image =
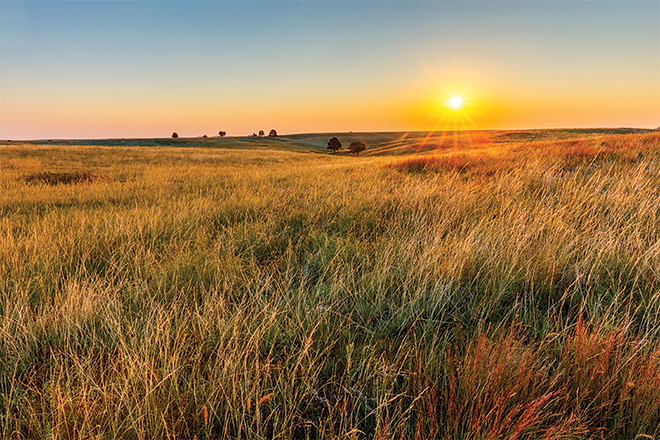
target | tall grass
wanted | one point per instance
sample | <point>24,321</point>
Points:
<point>205,293</point>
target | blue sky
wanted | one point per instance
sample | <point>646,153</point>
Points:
<point>146,68</point>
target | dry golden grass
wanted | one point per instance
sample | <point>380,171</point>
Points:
<point>508,289</point>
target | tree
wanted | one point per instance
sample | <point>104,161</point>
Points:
<point>334,144</point>
<point>222,133</point>
<point>356,147</point>
<point>175,135</point>
<point>261,133</point>
<point>272,133</point>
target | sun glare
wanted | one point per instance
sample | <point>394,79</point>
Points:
<point>457,107</point>
<point>456,102</point>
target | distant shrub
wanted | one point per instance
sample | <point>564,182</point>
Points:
<point>272,133</point>
<point>205,136</point>
<point>222,133</point>
<point>261,133</point>
<point>334,144</point>
<point>175,135</point>
<point>357,147</point>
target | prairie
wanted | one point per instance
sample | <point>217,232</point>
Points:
<point>448,285</point>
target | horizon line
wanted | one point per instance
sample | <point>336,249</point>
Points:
<point>321,133</point>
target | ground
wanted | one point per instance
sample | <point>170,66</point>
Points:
<point>447,285</point>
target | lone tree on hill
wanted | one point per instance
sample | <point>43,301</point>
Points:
<point>272,133</point>
<point>175,135</point>
<point>222,133</point>
<point>334,145</point>
<point>356,147</point>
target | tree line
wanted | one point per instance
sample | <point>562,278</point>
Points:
<point>221,133</point>
<point>334,144</point>
<point>356,147</point>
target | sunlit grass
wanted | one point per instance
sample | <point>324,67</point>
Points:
<point>505,290</point>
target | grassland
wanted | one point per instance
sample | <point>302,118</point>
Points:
<point>463,285</point>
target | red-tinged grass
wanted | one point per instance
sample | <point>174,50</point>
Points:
<point>567,154</point>
<point>499,386</point>
<point>612,378</point>
<point>608,148</point>
<point>493,387</point>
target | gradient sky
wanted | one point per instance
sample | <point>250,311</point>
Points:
<point>98,69</point>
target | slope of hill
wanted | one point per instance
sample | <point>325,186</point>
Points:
<point>379,143</point>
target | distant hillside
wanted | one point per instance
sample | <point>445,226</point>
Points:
<point>399,143</point>
<point>379,143</point>
<point>229,142</point>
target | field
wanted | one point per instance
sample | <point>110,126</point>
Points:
<point>481,285</point>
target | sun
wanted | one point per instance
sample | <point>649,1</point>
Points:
<point>456,102</point>
<point>452,107</point>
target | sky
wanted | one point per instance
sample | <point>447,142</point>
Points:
<point>142,69</point>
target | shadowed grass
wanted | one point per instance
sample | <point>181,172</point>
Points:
<point>64,178</point>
